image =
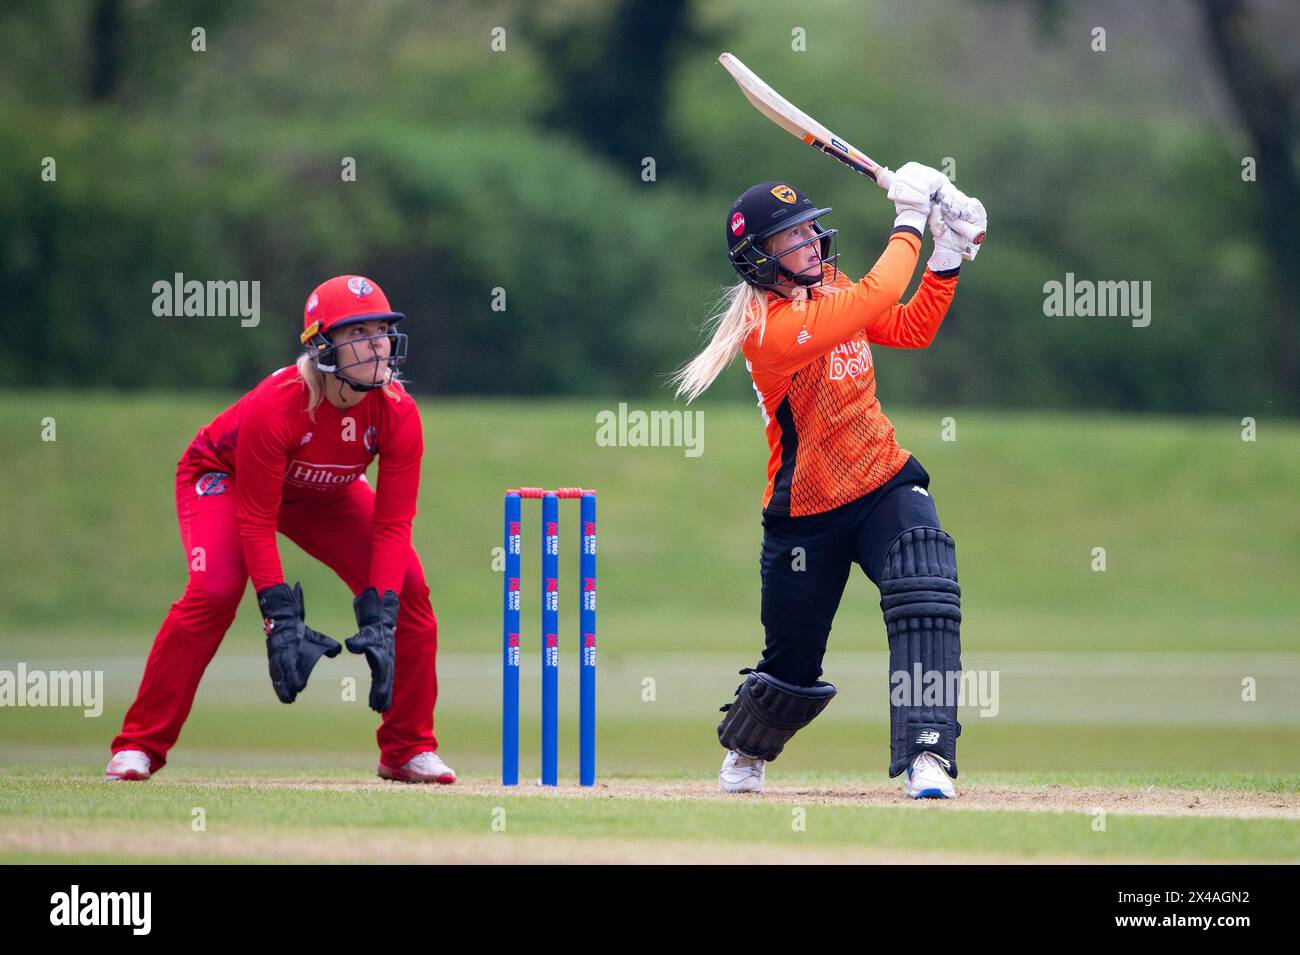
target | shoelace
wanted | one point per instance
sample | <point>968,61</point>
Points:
<point>927,755</point>
<point>746,762</point>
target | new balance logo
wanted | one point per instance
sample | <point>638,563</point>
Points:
<point>920,490</point>
<point>928,738</point>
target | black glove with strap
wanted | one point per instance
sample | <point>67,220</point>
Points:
<point>292,647</point>
<point>377,626</point>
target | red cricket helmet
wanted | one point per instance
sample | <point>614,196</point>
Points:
<point>347,300</point>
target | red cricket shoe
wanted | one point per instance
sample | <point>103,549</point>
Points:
<point>423,768</point>
<point>128,764</point>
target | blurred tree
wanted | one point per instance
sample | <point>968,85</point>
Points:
<point>1266,101</point>
<point>105,48</point>
<point>146,42</point>
<point>1265,98</point>
<point>226,164</point>
<point>612,77</point>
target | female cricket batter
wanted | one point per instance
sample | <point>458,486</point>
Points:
<point>839,488</point>
<point>291,456</point>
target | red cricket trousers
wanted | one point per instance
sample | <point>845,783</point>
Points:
<point>335,528</point>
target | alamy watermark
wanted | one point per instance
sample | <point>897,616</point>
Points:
<point>1083,298</point>
<point>918,687</point>
<point>213,299</point>
<point>651,429</point>
<point>83,689</point>
<point>128,909</point>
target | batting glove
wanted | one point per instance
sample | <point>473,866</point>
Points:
<point>913,189</point>
<point>958,237</point>
<point>961,212</point>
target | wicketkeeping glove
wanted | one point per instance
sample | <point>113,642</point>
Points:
<point>292,647</point>
<point>377,625</point>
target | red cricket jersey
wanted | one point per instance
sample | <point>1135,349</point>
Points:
<point>275,453</point>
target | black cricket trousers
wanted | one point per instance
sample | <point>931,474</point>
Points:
<point>805,564</point>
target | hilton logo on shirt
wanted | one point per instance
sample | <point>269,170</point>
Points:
<point>849,360</point>
<point>322,477</point>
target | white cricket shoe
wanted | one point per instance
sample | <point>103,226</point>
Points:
<point>128,764</point>
<point>741,774</point>
<point>423,768</point>
<point>926,779</point>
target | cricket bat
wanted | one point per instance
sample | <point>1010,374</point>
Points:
<point>798,123</point>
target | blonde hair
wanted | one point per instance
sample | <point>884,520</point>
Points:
<point>738,312</point>
<point>313,380</point>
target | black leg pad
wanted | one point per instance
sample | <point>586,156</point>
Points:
<point>767,712</point>
<point>922,605</point>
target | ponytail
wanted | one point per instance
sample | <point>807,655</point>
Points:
<point>313,381</point>
<point>739,311</point>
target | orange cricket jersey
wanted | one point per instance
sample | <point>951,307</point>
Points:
<point>816,381</point>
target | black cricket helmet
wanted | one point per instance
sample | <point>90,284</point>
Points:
<point>760,213</point>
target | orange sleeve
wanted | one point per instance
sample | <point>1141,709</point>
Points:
<point>913,325</point>
<point>798,333</point>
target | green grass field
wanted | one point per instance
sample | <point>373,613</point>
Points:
<point>1122,679</point>
<point>210,816</point>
